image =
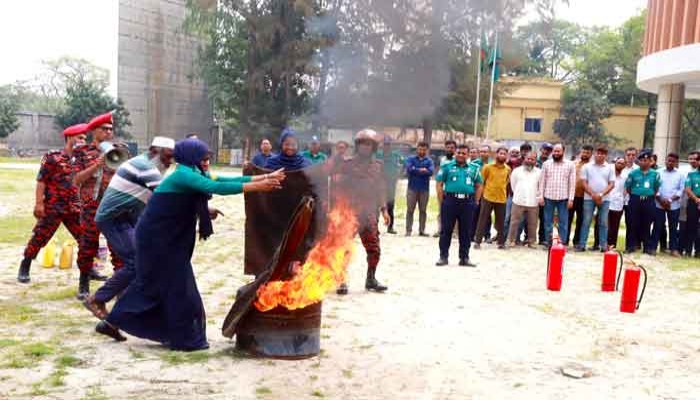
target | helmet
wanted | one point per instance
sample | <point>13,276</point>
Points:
<point>367,134</point>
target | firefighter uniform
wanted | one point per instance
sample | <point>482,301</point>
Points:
<point>61,203</point>
<point>90,195</point>
<point>458,205</point>
<point>642,187</point>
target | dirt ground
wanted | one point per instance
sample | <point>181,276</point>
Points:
<point>491,332</point>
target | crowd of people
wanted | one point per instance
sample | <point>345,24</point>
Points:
<point>150,219</point>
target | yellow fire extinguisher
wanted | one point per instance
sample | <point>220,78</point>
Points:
<point>49,256</point>
<point>66,261</point>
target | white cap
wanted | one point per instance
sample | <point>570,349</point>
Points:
<point>164,142</point>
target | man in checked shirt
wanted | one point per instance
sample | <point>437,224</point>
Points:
<point>557,185</point>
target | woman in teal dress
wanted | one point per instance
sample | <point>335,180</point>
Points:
<point>163,303</point>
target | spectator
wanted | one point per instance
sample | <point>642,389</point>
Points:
<point>341,149</point>
<point>419,169</point>
<point>393,164</point>
<point>524,181</point>
<point>473,154</point>
<point>692,189</point>
<point>668,204</point>
<point>450,147</point>
<point>525,149</point>
<point>481,162</point>
<point>314,153</point>
<point>265,152</point>
<point>545,153</point>
<point>495,178</point>
<point>598,180</point>
<point>577,210</point>
<point>557,187</point>
<point>642,185</point>
<point>617,202</point>
<point>514,161</point>
<point>630,158</point>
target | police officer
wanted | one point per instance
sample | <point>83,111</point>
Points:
<point>56,198</point>
<point>459,188</point>
<point>642,184</point>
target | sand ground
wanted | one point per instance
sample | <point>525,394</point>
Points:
<point>492,332</point>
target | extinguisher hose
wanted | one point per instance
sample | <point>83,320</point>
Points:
<point>549,254</point>
<point>619,272</point>
<point>644,286</point>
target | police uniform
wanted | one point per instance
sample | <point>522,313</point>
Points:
<point>458,204</point>
<point>61,202</point>
<point>693,213</point>
<point>642,187</point>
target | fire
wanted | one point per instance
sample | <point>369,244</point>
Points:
<point>325,267</point>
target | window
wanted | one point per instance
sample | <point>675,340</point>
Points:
<point>533,125</point>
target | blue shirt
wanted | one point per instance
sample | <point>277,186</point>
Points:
<point>260,159</point>
<point>671,185</point>
<point>419,181</point>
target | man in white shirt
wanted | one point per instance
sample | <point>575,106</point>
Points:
<point>617,199</point>
<point>668,203</point>
<point>524,181</point>
<point>598,179</point>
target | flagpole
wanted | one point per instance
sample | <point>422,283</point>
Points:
<point>478,86</point>
<point>493,79</point>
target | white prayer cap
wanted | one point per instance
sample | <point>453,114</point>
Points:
<point>162,141</point>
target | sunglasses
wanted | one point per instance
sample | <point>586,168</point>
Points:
<point>107,128</point>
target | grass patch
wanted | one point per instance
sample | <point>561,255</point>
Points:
<point>16,229</point>
<point>57,295</point>
<point>95,393</point>
<point>8,343</point>
<point>20,160</point>
<point>685,264</point>
<point>28,355</point>
<point>38,390</point>
<point>178,357</point>
<point>68,361</point>
<point>56,377</point>
<point>347,373</point>
<point>135,354</point>
<point>318,393</point>
<point>218,284</point>
<point>263,390</point>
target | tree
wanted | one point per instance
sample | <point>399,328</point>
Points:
<point>8,111</point>
<point>690,138</point>
<point>86,99</point>
<point>582,111</point>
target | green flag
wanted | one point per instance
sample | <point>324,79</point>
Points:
<point>495,62</point>
<point>483,53</point>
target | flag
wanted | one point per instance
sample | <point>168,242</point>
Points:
<point>495,61</point>
<point>483,52</point>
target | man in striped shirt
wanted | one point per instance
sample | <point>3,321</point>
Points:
<point>122,204</point>
<point>557,187</point>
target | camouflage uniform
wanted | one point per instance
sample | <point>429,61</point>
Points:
<point>362,182</point>
<point>85,156</point>
<point>61,202</point>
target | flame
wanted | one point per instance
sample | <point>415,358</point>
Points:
<point>325,267</point>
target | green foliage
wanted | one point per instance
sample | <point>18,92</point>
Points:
<point>582,111</point>
<point>9,105</point>
<point>550,46</point>
<point>86,99</point>
<point>690,139</point>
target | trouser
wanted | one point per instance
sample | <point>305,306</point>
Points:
<point>631,236</point>
<point>413,198</point>
<point>90,240</point>
<point>390,211</point>
<point>475,222</point>
<point>562,212</point>
<point>369,235</point>
<point>485,215</point>
<point>453,211</point>
<point>540,231</point>
<point>660,226</point>
<point>518,215</point>
<point>119,233</point>
<point>45,228</point>
<point>692,239</point>
<point>614,218</point>
<point>578,211</point>
<point>589,208</point>
<point>390,201</point>
<point>509,207</point>
<point>642,214</point>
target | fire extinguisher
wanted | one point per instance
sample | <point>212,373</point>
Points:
<point>630,287</point>
<point>611,276</point>
<point>555,266</point>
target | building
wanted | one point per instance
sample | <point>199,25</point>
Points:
<point>157,76</point>
<point>529,107</point>
<point>670,66</point>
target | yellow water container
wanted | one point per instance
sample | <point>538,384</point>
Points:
<point>66,261</point>
<point>49,257</point>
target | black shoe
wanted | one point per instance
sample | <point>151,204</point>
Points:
<point>391,231</point>
<point>342,289</point>
<point>408,234</point>
<point>441,262</point>
<point>106,329</point>
<point>374,285</point>
<point>423,234</point>
<point>501,246</point>
<point>650,253</point>
<point>436,234</point>
<point>477,246</point>
<point>83,286</point>
<point>630,251</point>
<point>23,274</point>
<point>579,249</point>
<point>96,276</point>
<point>466,263</point>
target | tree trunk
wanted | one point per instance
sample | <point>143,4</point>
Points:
<point>428,130</point>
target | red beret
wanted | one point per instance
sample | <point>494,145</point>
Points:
<point>73,130</point>
<point>99,121</point>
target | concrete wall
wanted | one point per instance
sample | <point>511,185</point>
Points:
<point>156,73</point>
<point>36,132</point>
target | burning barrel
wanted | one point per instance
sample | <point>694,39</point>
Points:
<point>281,333</point>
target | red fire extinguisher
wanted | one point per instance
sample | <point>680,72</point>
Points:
<point>611,276</point>
<point>630,287</point>
<point>555,266</point>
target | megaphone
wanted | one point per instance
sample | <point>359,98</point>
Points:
<point>114,155</point>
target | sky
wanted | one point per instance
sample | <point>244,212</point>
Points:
<point>36,30</point>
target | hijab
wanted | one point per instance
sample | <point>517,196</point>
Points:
<point>281,160</point>
<point>191,152</point>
